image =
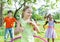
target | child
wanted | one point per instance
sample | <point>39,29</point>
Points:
<point>26,23</point>
<point>50,33</point>
<point>9,20</point>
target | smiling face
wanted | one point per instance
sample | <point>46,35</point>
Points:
<point>27,13</point>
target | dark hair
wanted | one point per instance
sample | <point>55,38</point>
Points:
<point>10,11</point>
<point>46,17</point>
<point>26,7</point>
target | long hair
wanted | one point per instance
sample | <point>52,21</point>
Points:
<point>24,9</point>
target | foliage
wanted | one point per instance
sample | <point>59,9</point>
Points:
<point>21,3</point>
<point>37,17</point>
<point>56,16</point>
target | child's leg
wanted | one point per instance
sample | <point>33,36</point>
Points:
<point>48,39</point>
<point>52,39</point>
<point>11,31</point>
<point>6,34</point>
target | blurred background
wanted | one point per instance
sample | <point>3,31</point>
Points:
<point>40,9</point>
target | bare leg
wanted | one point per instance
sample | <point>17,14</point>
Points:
<point>52,39</point>
<point>48,39</point>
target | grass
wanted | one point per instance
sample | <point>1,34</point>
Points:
<point>57,28</point>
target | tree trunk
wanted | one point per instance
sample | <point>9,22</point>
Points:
<point>1,17</point>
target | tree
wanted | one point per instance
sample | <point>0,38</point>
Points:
<point>21,3</point>
<point>1,16</point>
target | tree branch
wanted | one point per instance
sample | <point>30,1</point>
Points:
<point>18,9</point>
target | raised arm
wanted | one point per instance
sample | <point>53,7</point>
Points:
<point>33,23</point>
<point>56,21</point>
<point>35,26</point>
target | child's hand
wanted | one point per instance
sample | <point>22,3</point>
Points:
<point>21,29</point>
<point>18,30</point>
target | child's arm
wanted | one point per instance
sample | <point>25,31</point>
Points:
<point>19,28</point>
<point>35,25</point>
<point>45,24</point>
<point>4,19</point>
<point>56,21</point>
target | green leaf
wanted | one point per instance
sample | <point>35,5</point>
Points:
<point>15,0</point>
<point>57,0</point>
<point>2,1</point>
<point>47,1</point>
<point>33,1</point>
<point>9,2</point>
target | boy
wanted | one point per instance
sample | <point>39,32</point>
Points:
<point>9,20</point>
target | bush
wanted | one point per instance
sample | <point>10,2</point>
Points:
<point>56,16</point>
<point>37,17</point>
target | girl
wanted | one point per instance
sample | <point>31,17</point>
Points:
<point>27,24</point>
<point>50,33</point>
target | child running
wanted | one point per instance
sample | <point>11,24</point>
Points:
<point>9,20</point>
<point>28,25</point>
<point>50,33</point>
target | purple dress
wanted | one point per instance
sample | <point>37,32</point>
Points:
<point>50,33</point>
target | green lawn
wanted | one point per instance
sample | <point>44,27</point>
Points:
<point>57,28</point>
